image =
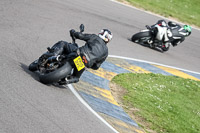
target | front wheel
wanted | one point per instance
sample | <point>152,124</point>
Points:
<point>141,37</point>
<point>57,75</point>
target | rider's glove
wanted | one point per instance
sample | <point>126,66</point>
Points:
<point>72,31</point>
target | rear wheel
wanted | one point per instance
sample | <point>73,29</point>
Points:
<point>56,75</point>
<point>141,37</point>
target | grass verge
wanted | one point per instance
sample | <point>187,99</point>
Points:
<point>164,104</point>
<point>186,11</point>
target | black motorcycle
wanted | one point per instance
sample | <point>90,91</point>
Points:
<point>55,68</point>
<point>154,36</point>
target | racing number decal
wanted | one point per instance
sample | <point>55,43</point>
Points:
<point>79,63</point>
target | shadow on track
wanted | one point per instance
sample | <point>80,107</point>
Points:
<point>35,75</point>
<point>147,45</point>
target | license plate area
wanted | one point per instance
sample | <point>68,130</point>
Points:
<point>79,63</point>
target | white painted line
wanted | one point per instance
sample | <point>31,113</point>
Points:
<point>97,115</point>
<point>151,13</point>
<point>152,63</point>
<point>84,103</point>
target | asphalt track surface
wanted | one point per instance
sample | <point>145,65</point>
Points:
<point>28,27</point>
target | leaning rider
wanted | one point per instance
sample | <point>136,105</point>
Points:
<point>174,35</point>
<point>93,53</point>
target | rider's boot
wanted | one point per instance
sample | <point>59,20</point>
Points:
<point>69,80</point>
<point>62,82</point>
<point>150,42</point>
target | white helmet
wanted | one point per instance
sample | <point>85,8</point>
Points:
<point>106,35</point>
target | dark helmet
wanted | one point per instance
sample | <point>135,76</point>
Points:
<point>106,35</point>
<point>188,29</point>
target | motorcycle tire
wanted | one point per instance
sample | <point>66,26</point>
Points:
<point>57,75</point>
<point>141,37</point>
<point>33,66</point>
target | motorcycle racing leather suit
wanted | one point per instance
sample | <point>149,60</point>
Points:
<point>93,53</point>
<point>174,33</point>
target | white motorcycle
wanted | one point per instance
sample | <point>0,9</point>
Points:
<point>155,36</point>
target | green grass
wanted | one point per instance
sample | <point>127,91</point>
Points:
<point>168,104</point>
<point>187,11</point>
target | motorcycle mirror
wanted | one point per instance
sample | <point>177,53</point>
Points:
<point>81,28</point>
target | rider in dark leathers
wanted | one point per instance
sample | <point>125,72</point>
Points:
<point>93,53</point>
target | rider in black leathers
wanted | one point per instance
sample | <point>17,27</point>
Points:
<point>93,53</point>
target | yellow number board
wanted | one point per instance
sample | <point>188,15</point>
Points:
<point>79,63</point>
